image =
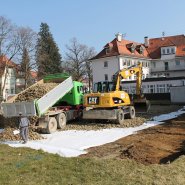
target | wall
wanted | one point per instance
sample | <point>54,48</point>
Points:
<point>115,64</point>
<point>9,83</point>
<point>153,86</point>
<point>174,69</point>
<point>177,94</point>
<point>99,70</point>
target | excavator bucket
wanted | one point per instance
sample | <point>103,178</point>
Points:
<point>141,105</point>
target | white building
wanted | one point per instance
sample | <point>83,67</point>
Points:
<point>119,54</point>
<point>168,56</point>
<point>11,81</point>
<point>161,57</point>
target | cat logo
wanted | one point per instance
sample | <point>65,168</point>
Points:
<point>93,100</point>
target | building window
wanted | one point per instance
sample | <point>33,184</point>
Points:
<point>106,77</point>
<point>151,88</point>
<point>105,64</point>
<point>12,91</point>
<point>132,49</point>
<point>107,50</point>
<point>172,50</point>
<point>168,87</point>
<point>168,50</point>
<point>163,51</point>
<point>177,62</point>
<point>154,64</point>
<point>128,62</point>
<point>161,88</point>
<point>146,64</point>
<point>166,66</point>
<point>124,63</point>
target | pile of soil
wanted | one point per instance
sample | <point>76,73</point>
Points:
<point>8,135</point>
<point>35,92</point>
<point>102,124</point>
<point>156,145</point>
<point>138,120</point>
<point>11,124</point>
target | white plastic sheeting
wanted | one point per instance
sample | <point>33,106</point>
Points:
<point>73,143</point>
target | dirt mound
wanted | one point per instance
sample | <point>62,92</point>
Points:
<point>156,145</point>
<point>8,134</point>
<point>35,92</point>
<point>101,124</point>
<point>11,124</point>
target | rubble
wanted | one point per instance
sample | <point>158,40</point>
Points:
<point>103,124</point>
<point>36,92</point>
<point>11,124</point>
<point>8,135</point>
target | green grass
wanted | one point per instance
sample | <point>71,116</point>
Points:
<point>27,166</point>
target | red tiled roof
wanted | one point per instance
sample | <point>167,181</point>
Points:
<point>153,51</point>
<point>5,61</point>
<point>155,45</point>
<point>121,48</point>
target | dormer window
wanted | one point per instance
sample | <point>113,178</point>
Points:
<point>107,50</point>
<point>133,49</point>
<point>167,50</point>
<point>141,50</point>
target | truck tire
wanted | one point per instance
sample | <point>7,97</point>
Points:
<point>61,121</point>
<point>52,125</point>
<point>120,117</point>
<point>132,112</point>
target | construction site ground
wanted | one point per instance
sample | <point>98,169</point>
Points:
<point>156,145</point>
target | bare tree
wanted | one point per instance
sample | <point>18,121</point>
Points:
<point>28,39</point>
<point>9,44</point>
<point>26,54</point>
<point>77,59</point>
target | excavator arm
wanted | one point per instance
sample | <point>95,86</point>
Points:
<point>140,101</point>
<point>125,73</point>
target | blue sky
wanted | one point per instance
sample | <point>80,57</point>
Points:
<point>95,22</point>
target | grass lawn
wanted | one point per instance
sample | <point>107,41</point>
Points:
<point>27,166</point>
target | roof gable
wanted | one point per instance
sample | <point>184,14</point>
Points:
<point>155,45</point>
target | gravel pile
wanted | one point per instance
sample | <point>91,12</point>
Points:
<point>8,135</point>
<point>10,124</point>
<point>36,92</point>
<point>102,124</point>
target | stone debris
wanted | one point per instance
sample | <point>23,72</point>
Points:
<point>11,124</point>
<point>8,135</point>
<point>36,92</point>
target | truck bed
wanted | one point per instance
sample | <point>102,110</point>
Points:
<point>40,106</point>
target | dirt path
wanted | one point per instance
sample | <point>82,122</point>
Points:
<point>156,145</point>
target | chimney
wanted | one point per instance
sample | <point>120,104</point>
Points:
<point>119,36</point>
<point>163,34</point>
<point>146,41</point>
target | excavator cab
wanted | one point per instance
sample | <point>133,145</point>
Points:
<point>102,87</point>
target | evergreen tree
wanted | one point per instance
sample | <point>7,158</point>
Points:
<point>25,67</point>
<point>48,58</point>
